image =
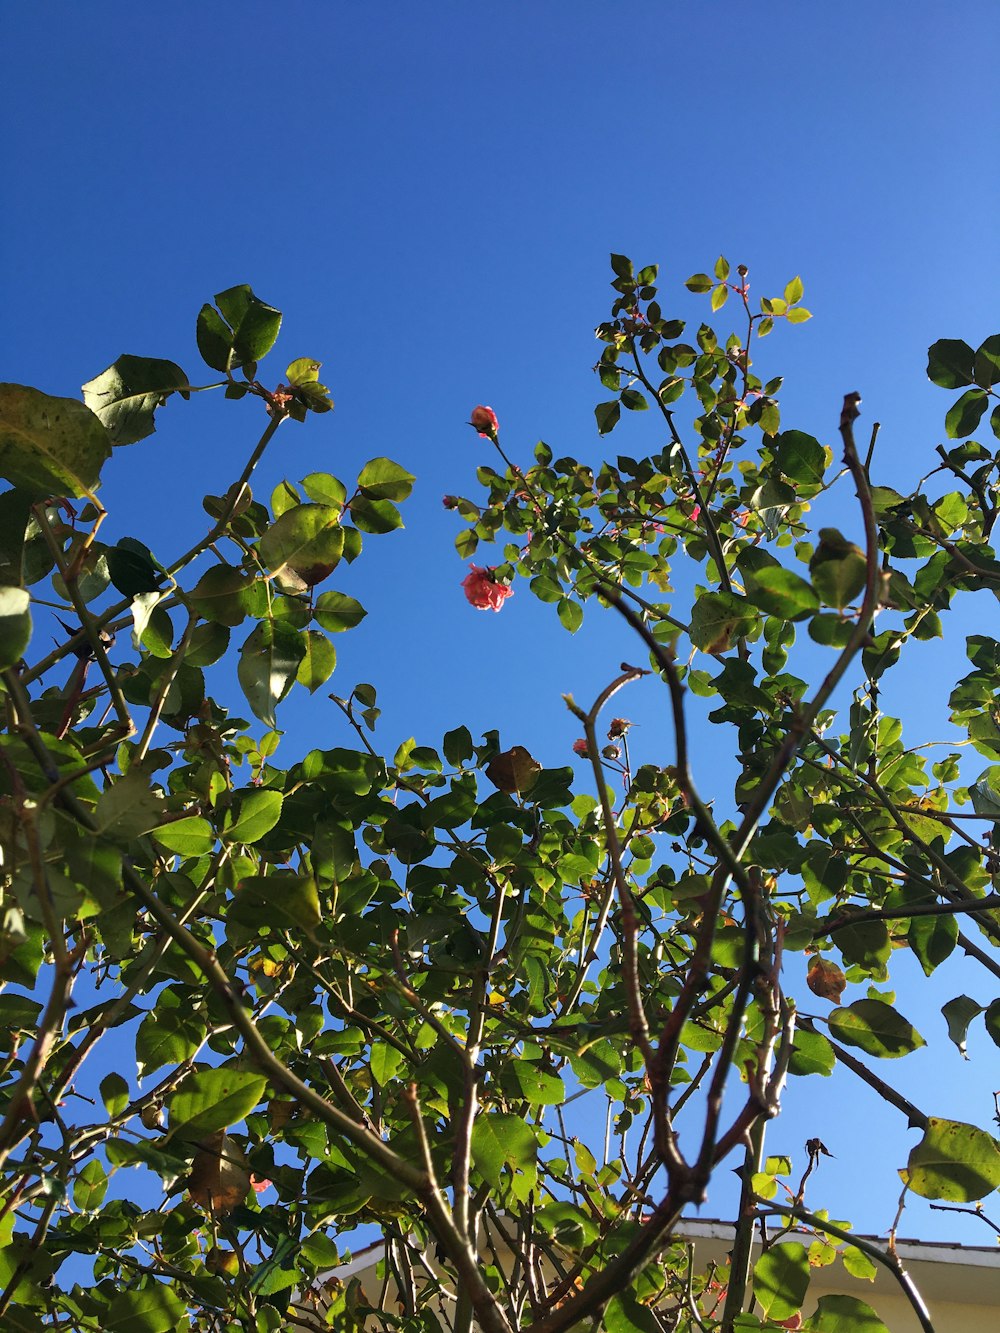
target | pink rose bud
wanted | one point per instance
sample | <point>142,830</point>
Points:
<point>450,501</point>
<point>484,420</point>
<point>619,726</point>
<point>483,591</point>
<point>580,748</point>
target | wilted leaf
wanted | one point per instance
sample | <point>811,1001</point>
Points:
<point>514,770</point>
<point>220,1176</point>
<point>825,979</point>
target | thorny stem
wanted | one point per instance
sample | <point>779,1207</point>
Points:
<point>638,1024</point>
<point>91,628</point>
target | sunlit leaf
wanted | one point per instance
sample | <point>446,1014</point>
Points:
<point>953,1161</point>
<point>50,446</point>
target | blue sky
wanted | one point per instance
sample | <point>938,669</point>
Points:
<point>430,194</point>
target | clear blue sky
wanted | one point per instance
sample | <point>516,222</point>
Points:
<point>430,192</point>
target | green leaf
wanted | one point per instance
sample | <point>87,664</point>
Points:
<point>303,370</point>
<point>114,1094</point>
<point>191,836</point>
<point>50,446</point>
<point>244,332</point>
<point>269,662</point>
<point>932,939</point>
<point>168,1035</point>
<point>324,489</point>
<point>876,1028</point>
<point>838,568</point>
<point>215,338</point>
<point>375,515</point>
<point>625,1314</point>
<point>457,746</point>
<point>987,362</point>
<point>858,1264</point>
<point>224,595</point>
<point>622,266</point>
<point>382,479</point>
<point>256,813</point>
<point>213,1099</point>
<point>720,295</point>
<point>811,1054</point>
<point>781,1279</point>
<point>718,619</point>
<point>699,282</point>
<point>769,417</point>
<point>307,539</point>
<point>90,1186</point>
<point>780,592</point>
<point>536,1085</point>
<point>152,1309</point>
<point>285,896</point>
<point>843,1314</point>
<point>800,457</point>
<point>958,1014</point>
<point>256,330</point>
<point>607,415</point>
<point>127,394</point>
<point>15,625</point>
<point>132,568</point>
<point>128,807</point>
<point>335,611</point>
<point>793,291</point>
<point>570,614</point>
<point>965,415</point>
<point>634,400</point>
<point>385,1061</point>
<point>953,1161</point>
<point>318,660</point>
<point>951,363</point>
<point>992,1021</point>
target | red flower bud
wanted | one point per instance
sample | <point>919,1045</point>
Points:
<point>484,420</point>
<point>450,501</point>
<point>580,748</point>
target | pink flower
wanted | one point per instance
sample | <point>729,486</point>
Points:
<point>696,513</point>
<point>483,590</point>
<point>580,748</point>
<point>260,1184</point>
<point>484,420</point>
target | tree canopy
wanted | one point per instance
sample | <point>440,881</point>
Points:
<point>364,989</point>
